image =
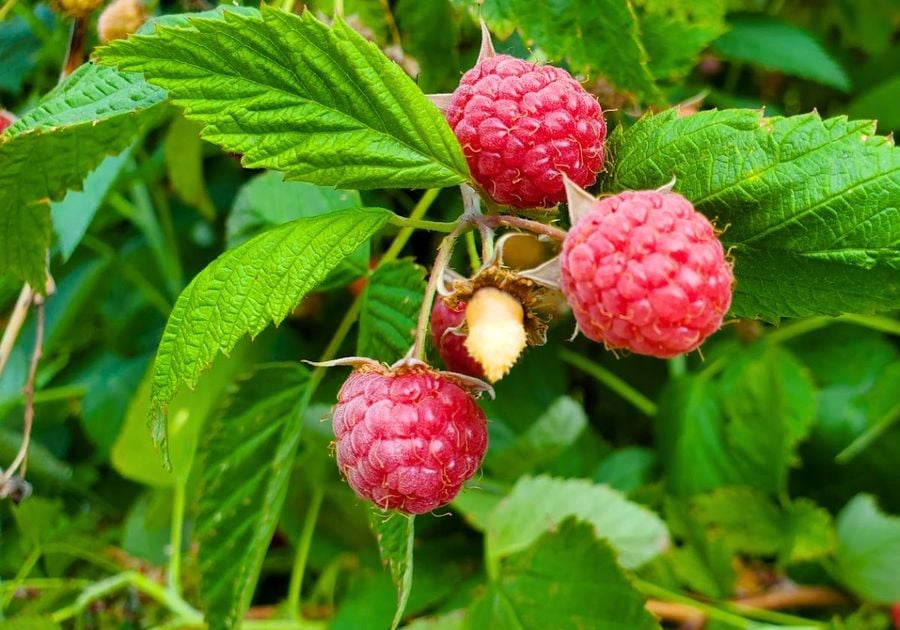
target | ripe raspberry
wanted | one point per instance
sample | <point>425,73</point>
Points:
<point>520,125</point>
<point>644,271</point>
<point>451,346</point>
<point>407,439</point>
<point>6,119</point>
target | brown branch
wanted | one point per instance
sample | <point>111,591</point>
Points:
<point>14,326</point>
<point>21,459</point>
<point>536,227</point>
<point>673,611</point>
<point>794,597</point>
<point>75,52</point>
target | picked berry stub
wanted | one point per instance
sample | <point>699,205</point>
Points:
<point>449,342</point>
<point>407,438</point>
<point>643,271</point>
<point>521,125</point>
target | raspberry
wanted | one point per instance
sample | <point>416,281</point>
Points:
<point>644,271</point>
<point>521,124</point>
<point>6,119</point>
<point>407,439</point>
<point>450,345</point>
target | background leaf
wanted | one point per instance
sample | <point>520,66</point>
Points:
<point>555,580</point>
<point>539,503</point>
<point>262,280</point>
<point>387,322</point>
<point>769,42</point>
<point>868,548</point>
<point>808,206</point>
<point>245,454</point>
<point>291,94</point>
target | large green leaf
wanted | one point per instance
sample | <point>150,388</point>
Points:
<point>97,111</point>
<point>246,454</point>
<point>387,323</point>
<point>768,42</point>
<point>246,289</point>
<point>566,578</point>
<point>868,550</point>
<point>395,533</point>
<point>537,504</point>
<point>601,37</point>
<point>808,207</point>
<point>291,94</point>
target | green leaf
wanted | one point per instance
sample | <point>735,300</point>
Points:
<point>245,454</point>
<point>267,200</point>
<point>133,454</point>
<point>880,104</point>
<point>291,94</point>
<point>769,402</point>
<point>768,42</point>
<point>395,533</point>
<point>72,216</point>
<point>808,207</point>
<point>20,48</point>
<point>690,437</point>
<point>387,322</point>
<point>243,291</point>
<point>868,548</point>
<point>184,165</point>
<point>555,581</point>
<point>626,469</point>
<point>430,33</point>
<point>95,112</point>
<point>674,33</point>
<point>537,504</point>
<point>600,37</point>
<point>810,533</point>
<point>546,439</point>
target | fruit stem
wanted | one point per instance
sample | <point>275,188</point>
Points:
<point>536,227</point>
<point>309,527</point>
<point>623,389</point>
<point>441,260</point>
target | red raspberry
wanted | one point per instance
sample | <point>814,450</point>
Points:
<point>6,119</point>
<point>407,439</point>
<point>644,271</point>
<point>452,346</point>
<point>521,124</point>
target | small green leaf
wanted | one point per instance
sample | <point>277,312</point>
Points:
<point>184,165</point>
<point>626,469</point>
<point>72,216</point>
<point>766,41</point>
<point>879,104</point>
<point>291,94</point>
<point>395,533</point>
<point>540,503</point>
<point>597,37</point>
<point>868,549</point>
<point>745,517</point>
<point>387,322</point>
<point>808,206</point>
<point>245,456</point>
<point>95,112</point>
<point>810,533</point>
<point>245,290</point>
<point>547,438</point>
<point>554,582</point>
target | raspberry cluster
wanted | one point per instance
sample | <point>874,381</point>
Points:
<point>407,439</point>
<point>644,271</point>
<point>521,125</point>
